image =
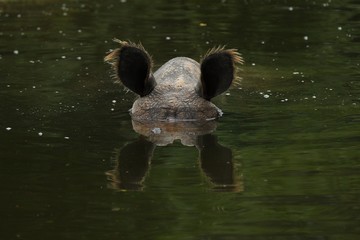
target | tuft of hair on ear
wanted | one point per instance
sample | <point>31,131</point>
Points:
<point>236,58</point>
<point>112,56</point>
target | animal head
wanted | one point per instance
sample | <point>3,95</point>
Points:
<point>181,89</point>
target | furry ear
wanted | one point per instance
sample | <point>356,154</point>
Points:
<point>218,69</point>
<point>132,66</point>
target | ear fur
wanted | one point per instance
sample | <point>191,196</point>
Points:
<point>132,65</point>
<point>218,70</point>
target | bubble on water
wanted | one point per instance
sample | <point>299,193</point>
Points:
<point>79,31</point>
<point>38,28</point>
<point>156,130</point>
<point>123,1</point>
<point>291,8</point>
<point>339,28</point>
<point>306,38</point>
<point>19,15</point>
<point>266,95</point>
<point>8,128</point>
<point>78,58</point>
<point>63,57</point>
<point>40,134</point>
<point>168,38</point>
<point>67,138</point>
<point>16,52</point>
<point>112,109</point>
<point>227,94</point>
<point>113,101</point>
<point>314,97</point>
<point>253,64</point>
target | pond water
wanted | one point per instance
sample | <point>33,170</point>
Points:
<point>283,162</point>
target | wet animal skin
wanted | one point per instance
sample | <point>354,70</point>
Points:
<point>181,89</point>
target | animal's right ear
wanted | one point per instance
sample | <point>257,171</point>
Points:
<point>132,66</point>
<point>218,71</point>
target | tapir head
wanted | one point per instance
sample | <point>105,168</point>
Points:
<point>181,89</point>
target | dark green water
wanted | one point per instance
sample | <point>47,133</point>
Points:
<point>286,162</point>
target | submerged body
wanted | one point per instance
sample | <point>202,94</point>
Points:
<point>175,96</point>
<point>181,89</point>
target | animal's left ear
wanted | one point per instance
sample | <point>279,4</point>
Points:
<point>218,71</point>
<point>132,65</point>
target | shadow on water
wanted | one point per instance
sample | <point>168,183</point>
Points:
<point>132,162</point>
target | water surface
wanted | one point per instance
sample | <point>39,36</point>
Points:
<point>282,163</point>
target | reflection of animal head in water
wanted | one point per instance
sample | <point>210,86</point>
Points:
<point>181,89</point>
<point>133,160</point>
